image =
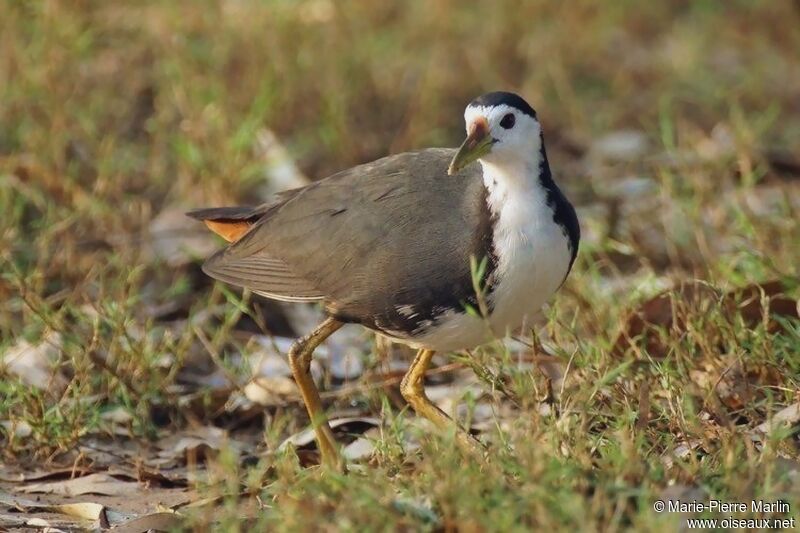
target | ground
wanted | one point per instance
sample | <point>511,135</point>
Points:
<point>667,368</point>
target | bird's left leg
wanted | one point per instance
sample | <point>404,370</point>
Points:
<point>413,390</point>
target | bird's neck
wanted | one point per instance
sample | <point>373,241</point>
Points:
<point>525,178</point>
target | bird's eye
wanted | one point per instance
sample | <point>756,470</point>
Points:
<point>508,121</point>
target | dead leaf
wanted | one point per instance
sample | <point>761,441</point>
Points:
<point>669,311</point>
<point>271,383</point>
<point>9,521</point>
<point>450,398</point>
<point>358,424</point>
<point>343,353</point>
<point>786,417</point>
<point>99,483</point>
<point>85,510</point>
<point>117,415</point>
<point>197,443</point>
<point>269,362</point>
<point>14,476</point>
<point>16,502</point>
<point>162,521</point>
<point>175,477</point>
<point>35,364</point>
<point>49,526</point>
<point>18,428</point>
<point>175,240</point>
<point>267,391</point>
<point>681,451</point>
<point>363,447</point>
<point>82,510</point>
<point>280,169</point>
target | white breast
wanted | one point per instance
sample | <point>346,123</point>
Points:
<point>533,255</point>
<point>533,258</point>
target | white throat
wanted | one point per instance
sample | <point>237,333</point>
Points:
<point>532,251</point>
<point>513,184</point>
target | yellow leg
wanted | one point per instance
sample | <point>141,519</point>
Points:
<point>413,390</point>
<point>300,361</point>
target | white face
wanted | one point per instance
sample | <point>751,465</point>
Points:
<point>517,139</point>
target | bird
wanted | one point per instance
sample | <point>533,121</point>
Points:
<point>439,249</point>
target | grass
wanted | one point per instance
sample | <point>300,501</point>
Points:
<point>112,112</point>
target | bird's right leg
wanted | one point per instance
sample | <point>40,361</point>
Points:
<point>300,362</point>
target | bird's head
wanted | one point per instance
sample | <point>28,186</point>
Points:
<point>502,128</point>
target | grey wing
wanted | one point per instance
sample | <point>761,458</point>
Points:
<point>265,275</point>
<point>269,276</point>
<point>369,241</point>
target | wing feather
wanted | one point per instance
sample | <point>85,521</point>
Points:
<point>262,274</point>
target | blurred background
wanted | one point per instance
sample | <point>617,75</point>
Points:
<point>673,126</point>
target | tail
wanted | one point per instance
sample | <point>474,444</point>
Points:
<point>230,223</point>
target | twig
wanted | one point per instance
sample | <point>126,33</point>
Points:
<point>216,358</point>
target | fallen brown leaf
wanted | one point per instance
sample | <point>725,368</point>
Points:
<point>348,425</point>
<point>18,428</point>
<point>175,240</point>
<point>197,444</point>
<point>99,483</point>
<point>41,475</point>
<point>162,521</point>
<point>83,510</point>
<point>786,417</point>
<point>363,447</point>
<point>34,364</point>
<point>670,311</point>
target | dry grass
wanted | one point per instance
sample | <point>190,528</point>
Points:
<point>111,113</point>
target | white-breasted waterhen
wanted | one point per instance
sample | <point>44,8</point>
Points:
<point>393,245</point>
